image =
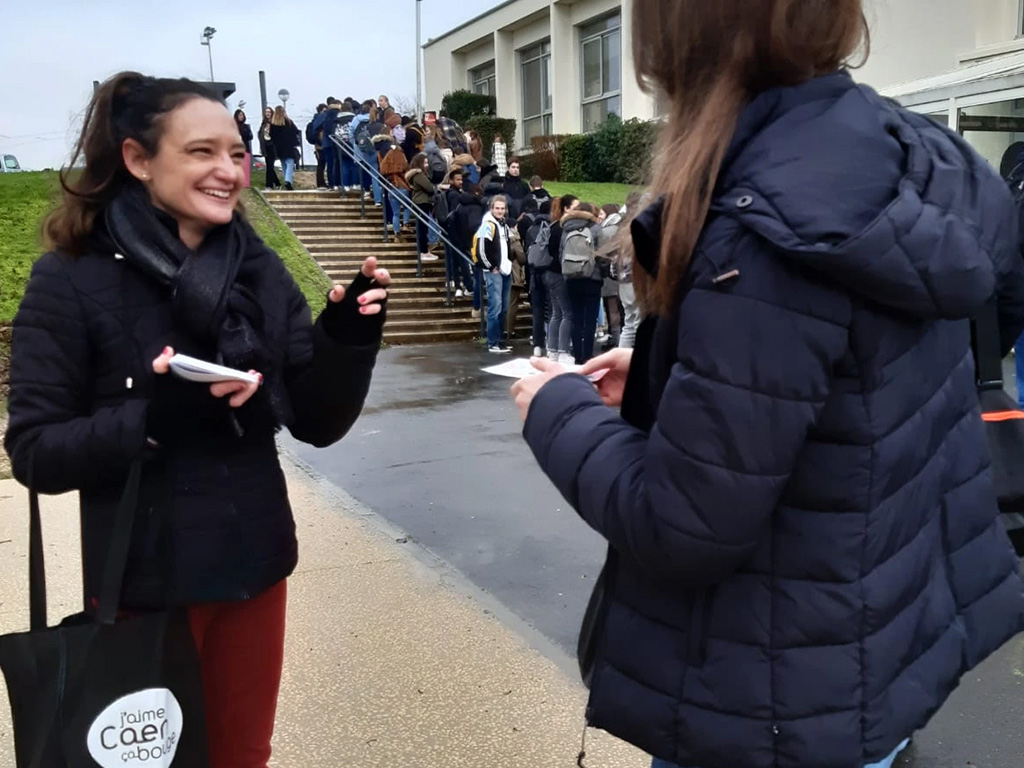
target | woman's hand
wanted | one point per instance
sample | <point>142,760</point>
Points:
<point>369,301</point>
<point>612,382</point>
<point>238,391</point>
<point>524,390</point>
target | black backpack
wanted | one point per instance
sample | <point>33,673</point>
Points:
<point>440,210</point>
<point>313,137</point>
<point>437,164</point>
<point>361,137</point>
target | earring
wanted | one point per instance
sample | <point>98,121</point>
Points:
<point>145,177</point>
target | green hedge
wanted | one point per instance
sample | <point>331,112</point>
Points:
<point>618,152</point>
<point>486,126</point>
<point>462,106</point>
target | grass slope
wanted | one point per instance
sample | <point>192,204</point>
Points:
<point>598,194</point>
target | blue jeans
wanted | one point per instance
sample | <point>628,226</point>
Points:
<point>498,287</point>
<point>1018,360</point>
<point>370,183</point>
<point>288,164</point>
<point>400,204</point>
<point>349,172</point>
<point>887,763</point>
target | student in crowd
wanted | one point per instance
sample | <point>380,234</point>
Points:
<point>285,136</point>
<point>539,227</point>
<point>520,271</point>
<point>623,266</point>
<point>456,267</point>
<point>514,188</point>
<point>138,248</point>
<point>244,130</point>
<point>466,220</point>
<point>499,155</point>
<point>537,190</point>
<point>383,104</point>
<point>393,168</point>
<point>267,149</point>
<point>422,194</point>
<point>315,135</point>
<point>349,176</point>
<point>492,252</point>
<point>326,125</point>
<point>607,256</point>
<point>805,548</point>
<point>583,291</point>
<point>362,129</point>
<point>559,336</point>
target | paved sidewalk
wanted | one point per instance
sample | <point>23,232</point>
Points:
<point>391,659</point>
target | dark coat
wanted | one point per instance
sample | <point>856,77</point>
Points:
<point>213,520</point>
<point>286,139</point>
<point>805,547</point>
<point>467,220</point>
<point>245,132</point>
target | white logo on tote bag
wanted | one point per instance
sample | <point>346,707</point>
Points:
<point>140,730</point>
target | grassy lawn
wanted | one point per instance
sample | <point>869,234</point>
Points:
<point>307,274</point>
<point>26,197</point>
<point>598,194</point>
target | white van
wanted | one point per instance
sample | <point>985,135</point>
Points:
<point>9,164</point>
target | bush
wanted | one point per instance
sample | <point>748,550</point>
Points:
<point>602,159</point>
<point>636,149</point>
<point>486,126</point>
<point>462,106</point>
<point>573,158</point>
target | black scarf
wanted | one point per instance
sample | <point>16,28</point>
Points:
<point>212,288</point>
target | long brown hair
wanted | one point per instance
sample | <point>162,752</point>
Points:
<point>709,58</point>
<point>127,106</point>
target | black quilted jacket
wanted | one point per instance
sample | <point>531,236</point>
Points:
<point>213,522</point>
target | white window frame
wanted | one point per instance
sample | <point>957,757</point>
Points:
<point>604,96</point>
<point>546,116</point>
<point>475,79</point>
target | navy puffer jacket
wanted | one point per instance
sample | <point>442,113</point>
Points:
<point>805,550</point>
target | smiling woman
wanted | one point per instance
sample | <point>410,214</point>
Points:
<point>150,254</point>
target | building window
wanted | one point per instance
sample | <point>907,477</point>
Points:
<point>481,79</point>
<point>535,71</point>
<point>601,59</point>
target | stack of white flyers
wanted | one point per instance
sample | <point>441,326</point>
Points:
<point>194,369</point>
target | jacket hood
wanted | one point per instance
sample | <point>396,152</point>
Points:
<point>882,201</point>
<point>579,215</point>
<point>464,159</point>
<point>412,172</point>
<point>612,221</point>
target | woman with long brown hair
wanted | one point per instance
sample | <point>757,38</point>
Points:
<point>805,552</point>
<point>151,255</point>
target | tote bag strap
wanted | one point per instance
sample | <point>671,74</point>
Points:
<point>117,555</point>
<point>36,564</point>
<point>987,347</point>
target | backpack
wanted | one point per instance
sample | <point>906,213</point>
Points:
<point>437,164</point>
<point>339,129</point>
<point>538,238</point>
<point>440,210</point>
<point>313,137</point>
<point>579,259</point>
<point>361,138</point>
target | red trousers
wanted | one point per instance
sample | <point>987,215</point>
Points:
<point>241,651</point>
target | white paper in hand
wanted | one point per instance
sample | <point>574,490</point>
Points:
<point>520,368</point>
<point>194,369</point>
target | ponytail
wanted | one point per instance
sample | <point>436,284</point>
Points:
<point>127,106</point>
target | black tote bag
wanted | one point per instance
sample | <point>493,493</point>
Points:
<point>1004,424</point>
<point>99,689</point>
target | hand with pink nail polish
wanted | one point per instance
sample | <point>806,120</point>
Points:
<point>355,315</point>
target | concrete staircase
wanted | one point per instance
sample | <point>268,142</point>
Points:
<point>330,228</point>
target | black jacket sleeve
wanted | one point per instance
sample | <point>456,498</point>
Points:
<point>330,364</point>
<point>55,439</point>
<point>490,253</point>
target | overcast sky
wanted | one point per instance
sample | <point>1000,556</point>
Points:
<point>52,51</point>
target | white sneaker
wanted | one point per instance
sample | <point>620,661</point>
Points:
<point>458,293</point>
<point>566,359</point>
<point>499,350</point>
<point>428,257</point>
<point>538,351</point>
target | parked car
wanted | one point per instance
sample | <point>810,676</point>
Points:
<point>258,163</point>
<point>9,164</point>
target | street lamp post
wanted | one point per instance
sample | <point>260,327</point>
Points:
<point>419,68</point>
<point>208,34</point>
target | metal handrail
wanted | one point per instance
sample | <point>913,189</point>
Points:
<point>415,210</point>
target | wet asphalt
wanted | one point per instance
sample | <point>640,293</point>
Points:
<point>438,454</point>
